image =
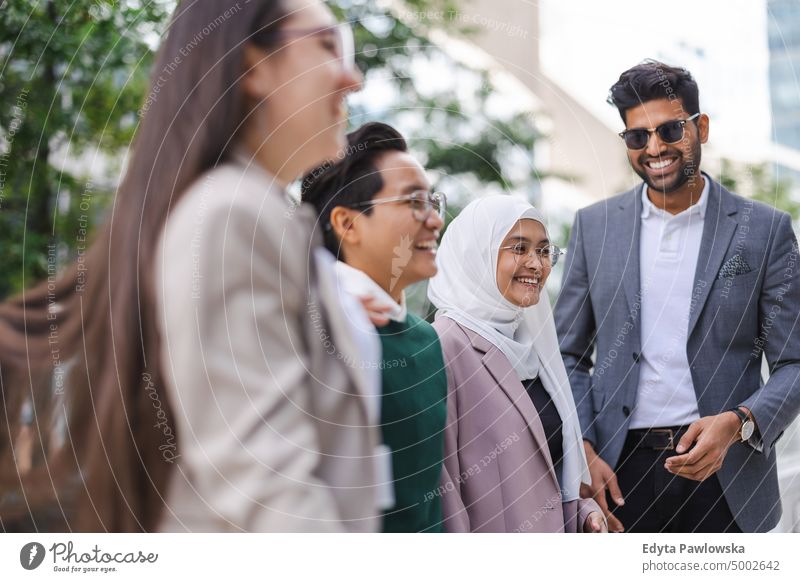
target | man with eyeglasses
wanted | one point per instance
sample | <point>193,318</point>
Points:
<point>673,294</point>
<point>381,219</point>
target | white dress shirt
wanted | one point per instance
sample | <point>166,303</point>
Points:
<point>668,254</point>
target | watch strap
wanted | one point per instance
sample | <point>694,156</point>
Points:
<point>738,412</point>
<point>743,418</point>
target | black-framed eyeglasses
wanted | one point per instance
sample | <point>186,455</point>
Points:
<point>422,204</point>
<point>548,254</point>
<point>341,37</point>
<point>669,132</point>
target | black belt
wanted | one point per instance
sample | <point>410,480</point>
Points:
<point>657,439</point>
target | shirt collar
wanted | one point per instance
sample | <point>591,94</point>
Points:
<point>358,283</point>
<point>699,206</point>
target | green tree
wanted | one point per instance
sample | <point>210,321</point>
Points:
<point>72,76</point>
<point>757,181</point>
<point>452,127</point>
<point>74,79</point>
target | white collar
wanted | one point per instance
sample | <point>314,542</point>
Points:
<point>699,206</point>
<point>358,283</point>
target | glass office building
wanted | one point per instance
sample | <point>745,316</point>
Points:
<point>783,22</point>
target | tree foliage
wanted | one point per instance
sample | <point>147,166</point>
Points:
<point>456,129</point>
<point>74,78</point>
<point>757,181</point>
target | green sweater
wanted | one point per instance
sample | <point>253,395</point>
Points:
<point>413,416</point>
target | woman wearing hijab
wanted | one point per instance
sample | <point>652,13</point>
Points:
<point>514,461</point>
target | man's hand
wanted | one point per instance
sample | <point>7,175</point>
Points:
<point>712,436</point>
<point>603,479</point>
<point>377,314</point>
<point>595,523</point>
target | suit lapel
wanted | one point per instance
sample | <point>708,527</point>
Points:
<point>718,230</point>
<point>499,367</point>
<point>626,234</point>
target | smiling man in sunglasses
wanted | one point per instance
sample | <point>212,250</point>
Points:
<point>673,294</point>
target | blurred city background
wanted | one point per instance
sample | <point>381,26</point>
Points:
<point>505,96</point>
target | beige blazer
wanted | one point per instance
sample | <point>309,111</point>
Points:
<point>499,476</point>
<point>274,431</point>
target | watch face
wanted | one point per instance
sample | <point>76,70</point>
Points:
<point>748,428</point>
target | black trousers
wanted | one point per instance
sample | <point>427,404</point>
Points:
<point>658,501</point>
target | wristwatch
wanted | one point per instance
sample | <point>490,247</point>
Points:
<point>748,426</point>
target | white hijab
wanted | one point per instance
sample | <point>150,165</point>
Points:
<point>465,290</point>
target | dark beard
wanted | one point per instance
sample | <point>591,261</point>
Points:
<point>687,172</point>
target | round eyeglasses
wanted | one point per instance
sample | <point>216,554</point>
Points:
<point>422,204</point>
<point>548,254</point>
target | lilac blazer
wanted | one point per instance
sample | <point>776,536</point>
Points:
<point>498,475</point>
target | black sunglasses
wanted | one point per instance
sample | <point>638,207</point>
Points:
<point>669,132</point>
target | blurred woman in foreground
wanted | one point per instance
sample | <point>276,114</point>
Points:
<point>200,391</point>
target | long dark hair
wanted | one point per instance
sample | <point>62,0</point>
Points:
<point>79,354</point>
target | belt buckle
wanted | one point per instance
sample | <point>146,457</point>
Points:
<point>671,446</point>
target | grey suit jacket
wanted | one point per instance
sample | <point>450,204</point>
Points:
<point>498,475</point>
<point>275,432</point>
<point>745,305</point>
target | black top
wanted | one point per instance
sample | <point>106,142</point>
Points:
<point>551,421</point>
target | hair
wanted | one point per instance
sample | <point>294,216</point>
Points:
<point>353,179</point>
<point>79,355</point>
<point>651,80</point>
